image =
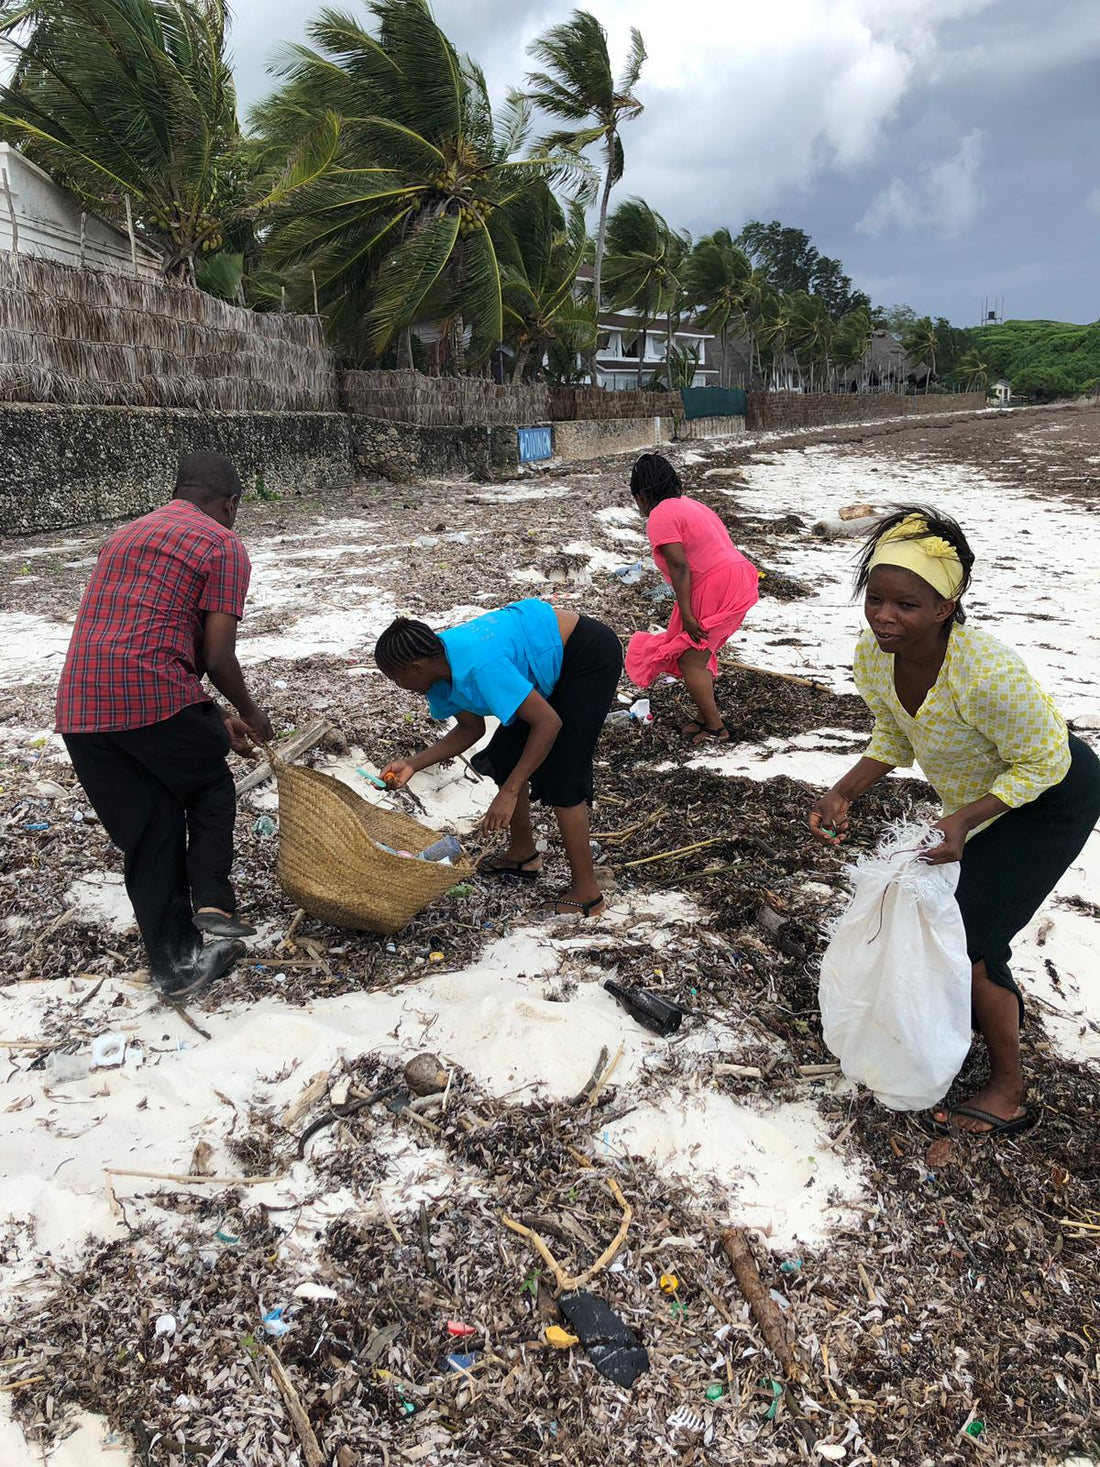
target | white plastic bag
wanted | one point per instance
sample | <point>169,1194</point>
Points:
<point>895,979</point>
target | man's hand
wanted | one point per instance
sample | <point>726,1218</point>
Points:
<point>500,812</point>
<point>259,726</point>
<point>829,818</point>
<point>239,737</point>
<point>955,831</point>
<point>397,773</point>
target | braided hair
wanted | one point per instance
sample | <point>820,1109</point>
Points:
<point>653,478</point>
<point>405,642</point>
<point>940,525</point>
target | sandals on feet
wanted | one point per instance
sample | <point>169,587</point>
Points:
<point>563,907</point>
<point>504,867</point>
<point>998,1126</point>
<point>719,735</point>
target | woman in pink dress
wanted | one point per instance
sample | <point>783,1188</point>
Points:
<point>715,587</point>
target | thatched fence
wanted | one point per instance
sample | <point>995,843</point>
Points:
<point>95,337</point>
<point>597,404</point>
<point>441,402</point>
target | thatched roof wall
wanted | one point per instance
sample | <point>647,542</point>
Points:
<point>96,337</point>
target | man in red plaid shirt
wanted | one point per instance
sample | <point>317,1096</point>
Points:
<point>146,741</point>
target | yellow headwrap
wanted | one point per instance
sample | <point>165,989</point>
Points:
<point>929,557</point>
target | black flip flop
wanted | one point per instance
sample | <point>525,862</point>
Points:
<point>998,1126</point>
<point>719,735</point>
<point>583,908</point>
<point>502,867</point>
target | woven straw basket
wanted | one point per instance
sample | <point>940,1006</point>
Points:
<point>329,862</point>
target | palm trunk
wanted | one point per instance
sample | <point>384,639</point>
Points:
<point>522,354</point>
<point>643,337</point>
<point>458,347</point>
<point>405,348</point>
<point>597,266</point>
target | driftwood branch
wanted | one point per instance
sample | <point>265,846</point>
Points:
<point>764,1308</point>
<point>311,1447</point>
<point>568,1282</point>
<point>787,677</point>
<point>293,749</point>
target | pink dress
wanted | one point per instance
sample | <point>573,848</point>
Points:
<point>724,586</point>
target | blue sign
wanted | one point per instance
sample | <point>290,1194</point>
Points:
<point>536,445</point>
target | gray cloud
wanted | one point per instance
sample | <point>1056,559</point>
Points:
<point>942,151</point>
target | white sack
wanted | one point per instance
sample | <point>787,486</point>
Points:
<point>895,979</point>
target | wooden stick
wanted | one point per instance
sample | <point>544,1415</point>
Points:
<point>130,231</point>
<point>112,1171</point>
<point>682,851</point>
<point>11,215</point>
<point>764,1308</point>
<point>606,1076</point>
<point>293,749</point>
<point>17,1385</point>
<point>567,1282</point>
<point>787,677</point>
<point>311,1447</point>
<point>747,1072</point>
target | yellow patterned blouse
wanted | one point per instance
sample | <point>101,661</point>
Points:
<point>985,728</point>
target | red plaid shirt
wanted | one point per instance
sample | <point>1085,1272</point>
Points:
<point>136,653</point>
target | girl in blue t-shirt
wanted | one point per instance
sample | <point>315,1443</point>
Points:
<point>549,677</point>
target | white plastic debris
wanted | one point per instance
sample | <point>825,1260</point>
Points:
<point>314,1291</point>
<point>108,1051</point>
<point>61,1068</point>
<point>166,1325</point>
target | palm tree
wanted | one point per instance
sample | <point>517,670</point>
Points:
<point>853,342</point>
<point>541,248</point>
<point>972,367</point>
<point>132,101</point>
<point>399,227</point>
<point>578,86</point>
<point>717,276</point>
<point>922,344</point>
<point>641,266</point>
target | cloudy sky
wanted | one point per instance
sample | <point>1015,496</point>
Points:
<point>945,151</point>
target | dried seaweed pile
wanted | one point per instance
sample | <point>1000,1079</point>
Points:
<point>960,1298</point>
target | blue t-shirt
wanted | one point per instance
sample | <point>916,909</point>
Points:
<point>498,660</point>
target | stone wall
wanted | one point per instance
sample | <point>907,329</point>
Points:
<point>709,428</point>
<point>62,466</point>
<point>584,440</point>
<point>406,452</point>
<point>771,411</point>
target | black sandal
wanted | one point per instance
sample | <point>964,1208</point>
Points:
<point>584,908</point>
<point>719,735</point>
<point>998,1126</point>
<point>504,868</point>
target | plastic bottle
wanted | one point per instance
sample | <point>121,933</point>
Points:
<point>641,712</point>
<point>446,848</point>
<point>64,1067</point>
<point>618,715</point>
<point>264,827</point>
<point>648,1009</point>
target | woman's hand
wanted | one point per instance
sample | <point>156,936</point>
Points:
<point>693,626</point>
<point>955,829</point>
<point>397,773</point>
<point>829,818</point>
<point>500,812</point>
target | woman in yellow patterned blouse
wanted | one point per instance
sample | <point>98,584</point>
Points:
<point>1020,794</point>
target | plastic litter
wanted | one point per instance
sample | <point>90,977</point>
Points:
<point>685,1419</point>
<point>791,1265</point>
<point>265,827</point>
<point>618,715</point>
<point>895,979</point>
<point>445,849</point>
<point>640,711</point>
<point>458,1362</point>
<point>560,1338</point>
<point>648,1009</point>
<point>226,1237</point>
<point>166,1325</point>
<point>975,1428</point>
<point>379,784</point>
<point>777,1396</point>
<point>612,1345</point>
<point>274,1323</point>
<point>61,1068</point>
<point>108,1051</point>
<point>669,1283</point>
<point>715,1392</point>
<point>459,1330</point>
<point>630,575</point>
<point>38,825</point>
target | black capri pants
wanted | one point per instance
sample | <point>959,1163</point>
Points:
<point>592,663</point>
<point>1009,869</point>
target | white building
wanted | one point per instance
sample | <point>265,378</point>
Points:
<point>39,217</point>
<point>618,342</point>
<point>1002,391</point>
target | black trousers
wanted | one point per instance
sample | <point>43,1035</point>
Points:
<point>166,799</point>
<point>1010,868</point>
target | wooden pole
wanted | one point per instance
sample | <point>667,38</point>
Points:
<point>316,308</point>
<point>83,235</point>
<point>11,214</point>
<point>133,239</point>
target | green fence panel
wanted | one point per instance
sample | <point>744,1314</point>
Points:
<point>714,402</point>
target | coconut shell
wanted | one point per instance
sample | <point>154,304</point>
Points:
<point>425,1075</point>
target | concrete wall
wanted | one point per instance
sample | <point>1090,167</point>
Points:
<point>584,440</point>
<point>408,452</point>
<point>709,428</point>
<point>784,410</point>
<point>62,466</point>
